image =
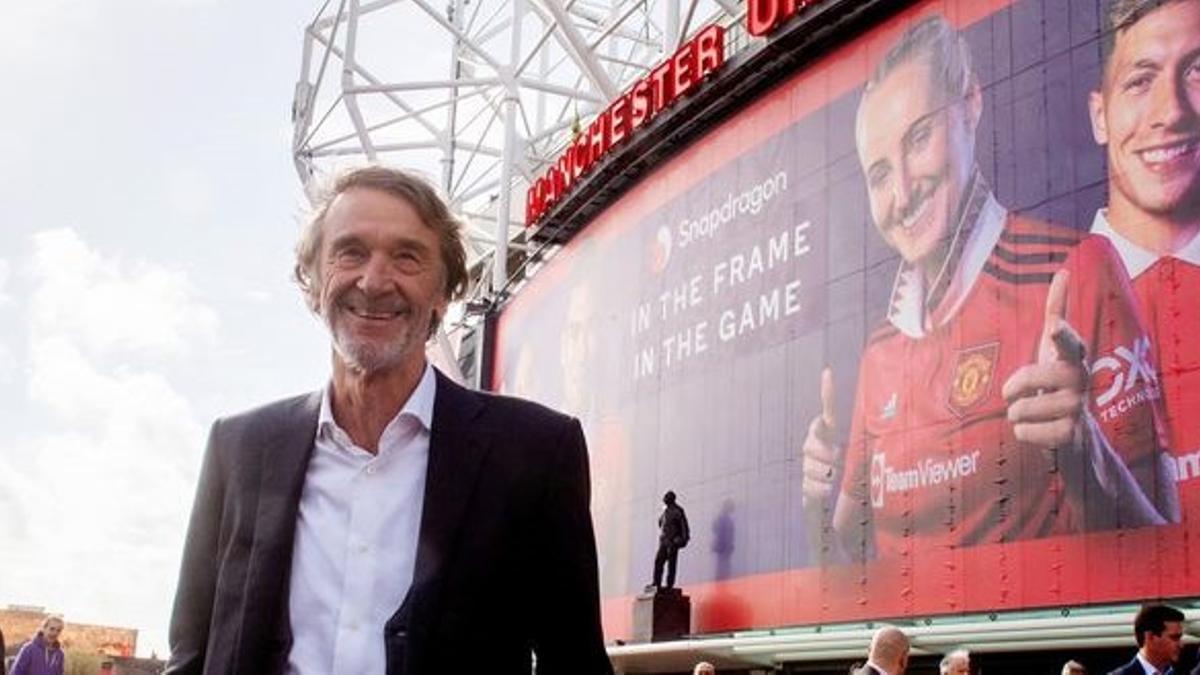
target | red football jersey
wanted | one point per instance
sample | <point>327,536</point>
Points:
<point>932,457</point>
<point>1168,293</point>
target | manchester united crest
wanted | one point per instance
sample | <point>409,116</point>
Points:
<point>973,374</point>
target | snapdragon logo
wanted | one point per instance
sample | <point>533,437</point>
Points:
<point>660,250</point>
<point>926,473</point>
<point>750,200</point>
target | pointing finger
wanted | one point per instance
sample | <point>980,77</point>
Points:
<point>828,414</point>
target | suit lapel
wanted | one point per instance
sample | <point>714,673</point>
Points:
<point>286,449</point>
<point>456,454</point>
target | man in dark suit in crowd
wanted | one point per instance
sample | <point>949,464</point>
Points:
<point>1159,633</point>
<point>888,654</point>
<point>393,522</point>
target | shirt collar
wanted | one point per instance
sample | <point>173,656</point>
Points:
<point>1135,258</point>
<point>910,312</point>
<point>419,404</point>
<point>1149,667</point>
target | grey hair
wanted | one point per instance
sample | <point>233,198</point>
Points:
<point>401,184</point>
<point>944,666</point>
<point>1073,668</point>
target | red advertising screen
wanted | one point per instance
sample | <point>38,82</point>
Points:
<point>911,334</point>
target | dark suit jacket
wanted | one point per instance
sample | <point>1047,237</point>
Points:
<point>1134,667</point>
<point>506,558</point>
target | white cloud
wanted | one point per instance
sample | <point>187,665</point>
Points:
<point>108,306</point>
<point>108,487</point>
<point>7,361</point>
<point>5,275</point>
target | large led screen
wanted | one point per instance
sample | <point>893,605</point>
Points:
<point>912,334</point>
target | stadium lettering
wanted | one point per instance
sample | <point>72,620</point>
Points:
<point>675,77</point>
<point>764,16</point>
<point>771,306</point>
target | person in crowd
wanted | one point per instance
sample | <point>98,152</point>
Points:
<point>982,364</point>
<point>1158,630</point>
<point>888,654</point>
<point>957,662</point>
<point>43,654</point>
<point>704,668</point>
<point>394,521</point>
<point>1073,668</point>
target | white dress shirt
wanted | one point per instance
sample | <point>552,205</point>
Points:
<point>356,539</point>
<point>1149,667</point>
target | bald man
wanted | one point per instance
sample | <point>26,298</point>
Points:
<point>888,654</point>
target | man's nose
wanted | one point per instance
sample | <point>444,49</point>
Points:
<point>376,274</point>
<point>902,189</point>
<point>1169,103</point>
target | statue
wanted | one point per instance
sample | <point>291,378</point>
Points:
<point>673,535</point>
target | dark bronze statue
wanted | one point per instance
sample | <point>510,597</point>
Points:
<point>673,535</point>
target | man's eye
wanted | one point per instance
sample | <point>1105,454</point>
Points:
<point>919,137</point>
<point>1138,83</point>
<point>349,254</point>
<point>409,261</point>
<point>1192,74</point>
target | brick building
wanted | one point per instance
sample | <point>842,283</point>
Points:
<point>19,623</point>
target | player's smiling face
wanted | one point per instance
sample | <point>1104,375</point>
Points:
<point>1147,114</point>
<point>916,146</point>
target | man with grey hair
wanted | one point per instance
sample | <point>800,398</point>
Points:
<point>888,654</point>
<point>957,662</point>
<point>1073,667</point>
<point>987,311</point>
<point>392,522</point>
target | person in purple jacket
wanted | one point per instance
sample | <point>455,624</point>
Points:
<point>42,655</point>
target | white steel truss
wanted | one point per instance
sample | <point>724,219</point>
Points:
<point>479,95</point>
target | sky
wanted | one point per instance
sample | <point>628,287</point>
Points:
<point>148,207</point>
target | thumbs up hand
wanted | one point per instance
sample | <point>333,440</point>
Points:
<point>821,455</point>
<point>1046,399</point>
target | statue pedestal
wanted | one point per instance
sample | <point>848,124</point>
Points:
<point>661,614</point>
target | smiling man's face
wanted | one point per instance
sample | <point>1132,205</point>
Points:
<point>382,282</point>
<point>1146,116</point>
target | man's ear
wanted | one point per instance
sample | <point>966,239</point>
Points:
<point>1099,122</point>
